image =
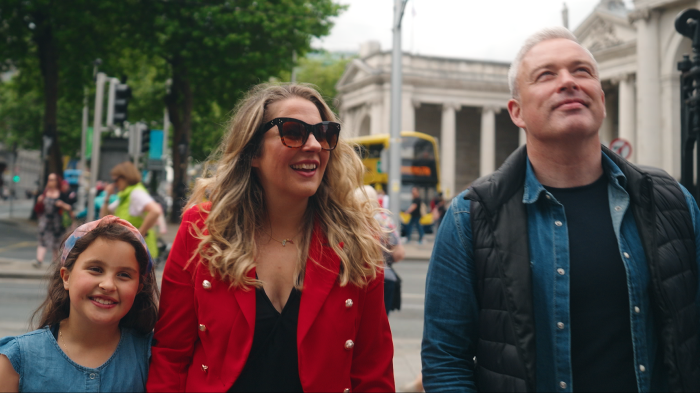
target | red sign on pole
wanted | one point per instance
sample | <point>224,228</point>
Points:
<point>621,147</point>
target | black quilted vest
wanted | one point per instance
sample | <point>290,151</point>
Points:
<point>505,351</point>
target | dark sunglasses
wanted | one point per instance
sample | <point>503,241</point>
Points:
<point>294,133</point>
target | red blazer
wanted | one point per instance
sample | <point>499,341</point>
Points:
<point>204,335</point>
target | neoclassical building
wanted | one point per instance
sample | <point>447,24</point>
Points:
<point>462,102</point>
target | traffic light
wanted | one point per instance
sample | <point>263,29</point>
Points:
<point>145,140</point>
<point>122,95</point>
<point>15,178</point>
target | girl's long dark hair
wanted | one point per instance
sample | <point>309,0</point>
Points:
<point>143,313</point>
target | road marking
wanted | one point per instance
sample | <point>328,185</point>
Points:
<point>18,245</point>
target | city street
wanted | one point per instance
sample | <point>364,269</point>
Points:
<point>20,297</point>
<point>18,239</point>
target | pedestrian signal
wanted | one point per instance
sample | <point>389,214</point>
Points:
<point>121,102</point>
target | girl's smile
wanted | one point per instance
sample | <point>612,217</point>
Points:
<point>103,282</point>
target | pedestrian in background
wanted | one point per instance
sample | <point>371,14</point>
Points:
<point>392,251</point>
<point>416,210</point>
<point>569,268</point>
<point>96,323</point>
<point>275,283</point>
<point>134,203</point>
<point>437,209</point>
<point>49,208</point>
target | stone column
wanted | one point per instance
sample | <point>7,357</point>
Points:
<point>649,90</point>
<point>626,113</point>
<point>488,140</point>
<point>448,148</point>
<point>376,117</point>
<point>408,110</point>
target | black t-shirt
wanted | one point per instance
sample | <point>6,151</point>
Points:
<point>416,212</point>
<point>602,357</point>
<point>272,364</point>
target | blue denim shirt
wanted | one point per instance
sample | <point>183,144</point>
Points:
<point>451,310</point>
<point>44,367</point>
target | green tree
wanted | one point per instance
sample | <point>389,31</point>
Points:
<point>215,51</point>
<point>323,70</point>
<point>51,44</point>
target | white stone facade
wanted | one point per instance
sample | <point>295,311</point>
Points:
<point>463,102</point>
<point>460,102</point>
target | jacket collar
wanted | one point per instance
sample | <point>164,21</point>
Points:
<point>322,268</point>
<point>534,189</point>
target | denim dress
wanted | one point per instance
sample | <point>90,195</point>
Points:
<point>43,367</point>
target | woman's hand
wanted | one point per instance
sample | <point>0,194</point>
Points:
<point>63,205</point>
<point>109,190</point>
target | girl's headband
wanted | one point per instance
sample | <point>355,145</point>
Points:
<point>87,227</point>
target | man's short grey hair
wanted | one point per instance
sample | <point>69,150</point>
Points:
<point>546,34</point>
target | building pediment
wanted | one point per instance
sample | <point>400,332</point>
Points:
<point>356,71</point>
<point>606,27</point>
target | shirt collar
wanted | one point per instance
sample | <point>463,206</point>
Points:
<point>534,189</point>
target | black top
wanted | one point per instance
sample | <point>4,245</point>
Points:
<point>272,364</point>
<point>602,357</point>
<point>416,212</point>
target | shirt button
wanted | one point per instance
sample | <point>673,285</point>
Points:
<point>206,284</point>
<point>348,303</point>
<point>560,325</point>
<point>202,328</point>
<point>558,223</point>
<point>618,208</point>
<point>205,368</point>
<point>92,376</point>
<point>626,255</point>
<point>637,310</point>
<point>562,385</point>
<point>547,196</point>
<point>349,344</point>
<point>347,390</point>
<point>642,368</point>
<point>561,271</point>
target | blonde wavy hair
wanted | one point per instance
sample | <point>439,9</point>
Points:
<point>238,212</point>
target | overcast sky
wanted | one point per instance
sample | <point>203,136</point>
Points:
<point>474,29</point>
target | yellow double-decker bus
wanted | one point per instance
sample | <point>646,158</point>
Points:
<point>420,167</point>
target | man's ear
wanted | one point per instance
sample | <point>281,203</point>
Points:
<point>515,112</point>
<point>65,274</point>
<point>605,111</point>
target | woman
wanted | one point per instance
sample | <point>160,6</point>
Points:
<point>275,284</point>
<point>134,205</point>
<point>50,209</point>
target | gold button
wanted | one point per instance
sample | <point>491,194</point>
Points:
<point>206,284</point>
<point>205,368</point>
<point>348,303</point>
<point>202,328</point>
<point>349,344</point>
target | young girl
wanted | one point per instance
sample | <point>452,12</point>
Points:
<point>97,321</point>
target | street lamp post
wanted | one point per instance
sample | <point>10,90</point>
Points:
<point>395,145</point>
<point>96,133</point>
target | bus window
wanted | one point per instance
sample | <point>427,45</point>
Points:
<point>415,148</point>
<point>375,151</point>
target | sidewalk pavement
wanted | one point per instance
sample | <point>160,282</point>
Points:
<point>22,268</point>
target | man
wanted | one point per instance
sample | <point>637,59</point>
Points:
<point>415,211</point>
<point>568,269</point>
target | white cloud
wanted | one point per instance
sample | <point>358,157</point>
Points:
<point>475,29</point>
